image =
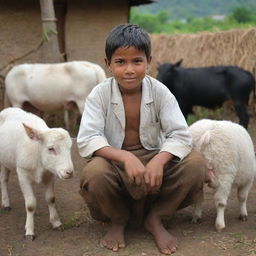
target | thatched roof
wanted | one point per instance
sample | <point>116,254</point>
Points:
<point>139,2</point>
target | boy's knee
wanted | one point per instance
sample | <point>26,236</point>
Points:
<point>94,172</point>
<point>196,162</point>
<point>196,157</point>
<point>92,182</point>
<point>195,167</point>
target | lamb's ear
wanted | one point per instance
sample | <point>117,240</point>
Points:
<point>32,133</point>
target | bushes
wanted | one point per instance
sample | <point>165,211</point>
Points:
<point>240,17</point>
<point>151,23</point>
<point>243,15</point>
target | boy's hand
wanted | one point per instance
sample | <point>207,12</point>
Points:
<point>155,170</point>
<point>154,175</point>
<point>134,169</point>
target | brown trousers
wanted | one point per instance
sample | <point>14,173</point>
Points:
<point>109,195</point>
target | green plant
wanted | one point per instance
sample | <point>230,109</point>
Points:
<point>240,18</point>
<point>242,15</point>
<point>151,23</point>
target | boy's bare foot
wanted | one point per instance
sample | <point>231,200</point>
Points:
<point>166,243</point>
<point>114,239</point>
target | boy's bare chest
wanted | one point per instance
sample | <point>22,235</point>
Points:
<point>132,111</point>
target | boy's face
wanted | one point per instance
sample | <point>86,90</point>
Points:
<point>128,66</point>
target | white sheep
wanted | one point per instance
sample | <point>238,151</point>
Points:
<point>229,152</point>
<point>52,87</point>
<point>38,154</point>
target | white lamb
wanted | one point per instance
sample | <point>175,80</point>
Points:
<point>37,153</point>
<point>229,152</point>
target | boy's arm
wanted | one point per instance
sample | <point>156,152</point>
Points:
<point>178,140</point>
<point>91,131</point>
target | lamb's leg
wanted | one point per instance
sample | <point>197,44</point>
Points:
<point>72,113</point>
<point>80,105</point>
<point>220,198</point>
<point>70,118</point>
<point>198,209</point>
<point>50,199</point>
<point>4,177</point>
<point>66,119</point>
<point>242,194</point>
<point>30,203</point>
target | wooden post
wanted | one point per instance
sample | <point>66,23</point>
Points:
<point>50,49</point>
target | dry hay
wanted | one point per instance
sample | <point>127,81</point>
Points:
<point>234,47</point>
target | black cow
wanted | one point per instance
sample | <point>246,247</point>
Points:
<point>209,87</point>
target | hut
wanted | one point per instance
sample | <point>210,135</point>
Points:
<point>82,26</point>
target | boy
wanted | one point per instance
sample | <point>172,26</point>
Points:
<point>136,137</point>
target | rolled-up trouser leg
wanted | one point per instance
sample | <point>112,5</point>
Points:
<point>182,185</point>
<point>101,189</point>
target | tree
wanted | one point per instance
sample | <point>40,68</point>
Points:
<point>151,23</point>
<point>163,17</point>
<point>50,48</point>
<point>242,15</point>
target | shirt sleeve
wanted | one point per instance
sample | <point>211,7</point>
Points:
<point>178,140</point>
<point>91,132</point>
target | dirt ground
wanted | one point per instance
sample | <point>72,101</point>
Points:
<point>81,234</point>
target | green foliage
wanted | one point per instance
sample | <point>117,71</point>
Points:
<point>186,9</point>
<point>151,23</point>
<point>201,112</point>
<point>240,17</point>
<point>163,17</point>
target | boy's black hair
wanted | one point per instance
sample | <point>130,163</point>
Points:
<point>126,35</point>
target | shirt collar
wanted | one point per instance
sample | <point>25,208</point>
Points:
<point>116,97</point>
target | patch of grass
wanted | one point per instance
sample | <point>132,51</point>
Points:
<point>76,220</point>
<point>223,113</point>
<point>71,223</point>
<point>252,131</point>
<point>201,113</point>
<point>238,237</point>
<point>200,236</point>
<point>242,240</point>
<point>4,211</point>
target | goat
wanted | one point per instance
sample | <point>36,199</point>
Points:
<point>38,154</point>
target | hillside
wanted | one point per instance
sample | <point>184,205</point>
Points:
<point>184,9</point>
